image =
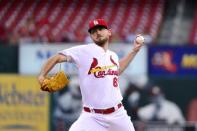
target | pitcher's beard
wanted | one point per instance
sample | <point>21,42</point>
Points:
<point>101,42</point>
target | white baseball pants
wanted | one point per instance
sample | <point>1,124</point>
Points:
<point>116,121</point>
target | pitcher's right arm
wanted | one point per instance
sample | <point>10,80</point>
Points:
<point>50,63</point>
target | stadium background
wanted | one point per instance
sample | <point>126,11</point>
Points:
<point>32,30</point>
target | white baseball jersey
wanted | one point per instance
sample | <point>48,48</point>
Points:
<point>98,75</point>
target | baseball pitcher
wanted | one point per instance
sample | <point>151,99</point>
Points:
<point>99,69</point>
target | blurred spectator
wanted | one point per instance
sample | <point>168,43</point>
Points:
<point>68,37</point>
<point>148,38</point>
<point>88,39</point>
<point>131,100</point>
<point>28,32</point>
<point>79,36</point>
<point>68,107</point>
<point>31,26</point>
<point>130,37</point>
<point>115,38</point>
<point>160,109</point>
<point>13,38</point>
<point>192,111</point>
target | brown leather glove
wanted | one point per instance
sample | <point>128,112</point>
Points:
<point>55,83</point>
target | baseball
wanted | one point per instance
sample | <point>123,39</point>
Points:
<point>140,39</point>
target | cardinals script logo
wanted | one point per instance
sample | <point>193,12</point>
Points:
<point>100,72</point>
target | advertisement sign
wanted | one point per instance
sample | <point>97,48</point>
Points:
<point>23,106</point>
<point>166,60</point>
<point>33,56</point>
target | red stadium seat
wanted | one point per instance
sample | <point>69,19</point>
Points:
<point>124,17</point>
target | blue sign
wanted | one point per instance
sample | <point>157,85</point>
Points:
<point>171,60</point>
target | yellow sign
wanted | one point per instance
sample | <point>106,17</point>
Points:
<point>189,61</point>
<point>23,106</point>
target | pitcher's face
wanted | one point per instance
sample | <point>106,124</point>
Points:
<point>100,35</point>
